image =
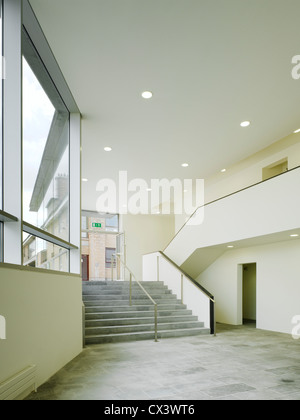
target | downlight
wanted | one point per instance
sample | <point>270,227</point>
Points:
<point>245,124</point>
<point>147,94</point>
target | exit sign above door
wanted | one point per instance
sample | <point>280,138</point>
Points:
<point>96,225</point>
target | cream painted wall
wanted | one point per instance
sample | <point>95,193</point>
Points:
<point>249,171</point>
<point>43,313</point>
<point>278,284</point>
<point>145,234</point>
<point>264,209</point>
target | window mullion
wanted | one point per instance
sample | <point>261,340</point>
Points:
<point>12,130</point>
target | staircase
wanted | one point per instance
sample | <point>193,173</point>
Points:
<point>110,318</point>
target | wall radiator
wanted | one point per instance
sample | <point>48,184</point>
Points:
<point>18,384</point>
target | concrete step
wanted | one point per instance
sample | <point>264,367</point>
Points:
<point>136,314</point>
<point>115,308</point>
<point>135,302</point>
<point>121,284</point>
<point>89,298</point>
<point>117,338</point>
<point>120,329</point>
<point>112,291</point>
<point>94,323</point>
<point>110,318</point>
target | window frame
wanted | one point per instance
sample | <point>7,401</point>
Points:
<point>46,174</point>
<point>109,252</point>
<point>18,17</point>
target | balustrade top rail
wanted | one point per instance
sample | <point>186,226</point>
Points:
<point>209,295</point>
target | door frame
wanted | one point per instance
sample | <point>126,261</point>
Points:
<point>240,300</point>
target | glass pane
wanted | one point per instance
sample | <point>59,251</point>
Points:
<point>100,222</point>
<point>112,223</point>
<point>42,254</point>
<point>99,243</point>
<point>109,253</point>
<point>45,152</point>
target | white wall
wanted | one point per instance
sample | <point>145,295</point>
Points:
<point>249,171</point>
<point>145,234</point>
<point>43,313</point>
<point>156,267</point>
<point>278,284</point>
<point>267,208</point>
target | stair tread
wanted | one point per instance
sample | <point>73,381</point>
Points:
<point>139,318</point>
<point>140,328</point>
<point>109,317</point>
<point>147,332</point>
<point>145,325</point>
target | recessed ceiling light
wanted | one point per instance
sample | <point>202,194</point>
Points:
<point>245,124</point>
<point>185,165</point>
<point>147,95</point>
<point>295,235</point>
<point>107,149</point>
<point>297,131</point>
<point>230,246</point>
<point>223,170</point>
<point>84,180</point>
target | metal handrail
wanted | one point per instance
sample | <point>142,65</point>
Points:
<point>209,295</point>
<point>131,278</point>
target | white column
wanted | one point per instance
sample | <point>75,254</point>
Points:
<point>12,130</point>
<point>75,192</point>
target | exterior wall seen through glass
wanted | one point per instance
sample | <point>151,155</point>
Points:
<point>42,254</point>
<point>99,243</point>
<point>45,159</point>
<point>46,184</point>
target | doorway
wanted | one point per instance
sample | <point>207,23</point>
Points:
<point>101,240</point>
<point>249,293</point>
<point>85,267</point>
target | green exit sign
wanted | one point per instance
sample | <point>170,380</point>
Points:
<point>97,225</point>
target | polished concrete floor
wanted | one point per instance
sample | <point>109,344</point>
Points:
<point>241,363</point>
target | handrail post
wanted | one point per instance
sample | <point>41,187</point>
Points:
<point>182,288</point>
<point>130,290</point>
<point>131,279</point>
<point>155,323</point>
<point>215,321</point>
<point>112,268</point>
<point>83,325</point>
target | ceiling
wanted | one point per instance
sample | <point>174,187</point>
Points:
<point>210,64</point>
